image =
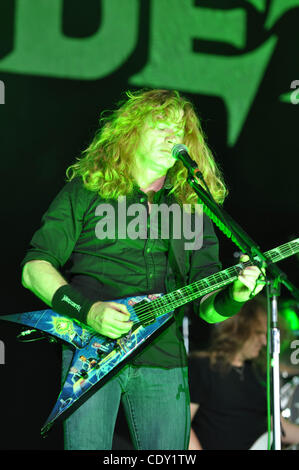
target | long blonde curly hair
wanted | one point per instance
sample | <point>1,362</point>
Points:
<point>106,163</point>
<point>228,337</point>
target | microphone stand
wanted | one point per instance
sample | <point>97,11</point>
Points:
<point>274,278</point>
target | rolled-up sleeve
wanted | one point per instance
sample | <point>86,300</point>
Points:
<point>60,228</point>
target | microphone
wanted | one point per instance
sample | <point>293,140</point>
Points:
<point>180,152</point>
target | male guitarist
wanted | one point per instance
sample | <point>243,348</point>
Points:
<point>82,258</point>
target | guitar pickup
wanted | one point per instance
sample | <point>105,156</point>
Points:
<point>151,318</point>
<point>145,313</point>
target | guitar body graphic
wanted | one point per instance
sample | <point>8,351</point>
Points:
<point>95,356</point>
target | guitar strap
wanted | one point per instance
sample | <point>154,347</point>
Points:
<point>178,257</point>
<point>177,272</point>
<point>178,260</point>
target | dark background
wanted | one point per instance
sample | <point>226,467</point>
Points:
<point>46,122</point>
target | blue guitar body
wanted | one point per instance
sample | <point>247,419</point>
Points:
<point>95,356</point>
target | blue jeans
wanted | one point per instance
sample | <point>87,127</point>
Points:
<point>156,405</point>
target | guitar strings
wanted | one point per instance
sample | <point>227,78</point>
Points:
<point>151,310</point>
<point>154,305</point>
<point>195,286</point>
<point>163,301</point>
<point>159,304</point>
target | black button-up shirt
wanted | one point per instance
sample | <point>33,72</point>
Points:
<point>85,237</point>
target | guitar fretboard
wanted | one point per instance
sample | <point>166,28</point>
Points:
<point>198,289</point>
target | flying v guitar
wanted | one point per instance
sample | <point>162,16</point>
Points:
<point>96,357</point>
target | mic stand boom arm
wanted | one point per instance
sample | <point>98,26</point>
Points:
<point>232,230</point>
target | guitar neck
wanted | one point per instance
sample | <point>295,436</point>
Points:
<point>216,281</point>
